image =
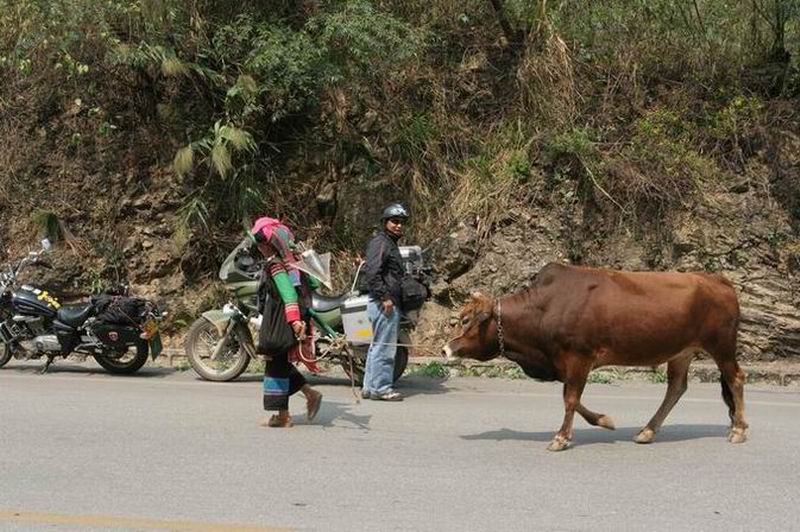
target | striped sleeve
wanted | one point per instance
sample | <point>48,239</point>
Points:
<point>287,292</point>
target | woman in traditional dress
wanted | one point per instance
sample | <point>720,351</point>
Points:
<point>281,378</point>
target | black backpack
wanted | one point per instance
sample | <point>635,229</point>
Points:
<point>121,310</point>
<point>413,293</point>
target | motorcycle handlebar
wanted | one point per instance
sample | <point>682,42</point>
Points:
<point>35,261</point>
<point>32,258</point>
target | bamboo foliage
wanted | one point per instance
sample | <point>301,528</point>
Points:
<point>215,150</point>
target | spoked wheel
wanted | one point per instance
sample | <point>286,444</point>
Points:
<point>201,340</point>
<point>5,354</point>
<point>123,362</point>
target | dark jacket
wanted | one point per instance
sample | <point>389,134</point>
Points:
<point>384,268</point>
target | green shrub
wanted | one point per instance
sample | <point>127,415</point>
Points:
<point>576,142</point>
<point>49,225</point>
<point>657,376</point>
<point>433,369</point>
<point>412,137</point>
<point>359,37</point>
<point>605,376</point>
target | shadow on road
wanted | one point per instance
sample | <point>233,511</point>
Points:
<point>597,435</point>
<point>334,411</point>
<point>421,385</point>
<point>409,385</point>
<point>71,368</point>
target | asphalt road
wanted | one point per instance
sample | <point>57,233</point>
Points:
<point>81,450</point>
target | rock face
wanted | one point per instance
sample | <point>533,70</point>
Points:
<point>741,233</point>
<point>748,244</point>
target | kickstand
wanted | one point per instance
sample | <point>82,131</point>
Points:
<point>47,364</point>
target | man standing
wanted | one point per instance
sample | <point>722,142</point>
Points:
<point>384,273</point>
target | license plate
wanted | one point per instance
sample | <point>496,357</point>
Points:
<point>149,329</point>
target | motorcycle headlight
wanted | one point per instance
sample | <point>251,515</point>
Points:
<point>230,310</point>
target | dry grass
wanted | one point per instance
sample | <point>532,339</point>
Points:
<point>546,80</point>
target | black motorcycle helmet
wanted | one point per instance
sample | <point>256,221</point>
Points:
<point>395,210</point>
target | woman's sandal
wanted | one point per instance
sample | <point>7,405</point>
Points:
<point>276,421</point>
<point>313,405</point>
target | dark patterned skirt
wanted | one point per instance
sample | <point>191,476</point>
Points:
<point>281,379</point>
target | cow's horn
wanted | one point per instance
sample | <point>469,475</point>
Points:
<point>476,295</point>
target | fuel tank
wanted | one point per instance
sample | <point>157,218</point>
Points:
<point>34,302</point>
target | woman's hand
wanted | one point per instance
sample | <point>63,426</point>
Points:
<point>299,327</point>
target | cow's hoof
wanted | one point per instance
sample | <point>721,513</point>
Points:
<point>737,436</point>
<point>606,422</point>
<point>645,436</point>
<point>559,443</point>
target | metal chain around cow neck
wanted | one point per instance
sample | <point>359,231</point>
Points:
<point>500,336</point>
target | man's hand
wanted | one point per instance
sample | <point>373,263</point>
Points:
<point>299,327</point>
<point>388,307</point>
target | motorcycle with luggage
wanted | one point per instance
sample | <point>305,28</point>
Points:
<point>220,343</point>
<point>117,330</point>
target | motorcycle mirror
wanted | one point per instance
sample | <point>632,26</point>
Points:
<point>46,245</point>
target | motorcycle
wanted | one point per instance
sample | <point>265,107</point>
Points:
<point>33,324</point>
<point>220,346</point>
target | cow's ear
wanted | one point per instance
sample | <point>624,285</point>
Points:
<point>483,305</point>
<point>481,301</point>
<point>487,305</point>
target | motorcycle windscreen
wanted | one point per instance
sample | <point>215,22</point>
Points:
<point>229,264</point>
<point>315,265</point>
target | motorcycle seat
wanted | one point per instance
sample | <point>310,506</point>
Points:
<point>322,303</point>
<point>75,315</point>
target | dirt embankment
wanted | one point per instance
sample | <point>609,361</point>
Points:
<point>743,231</point>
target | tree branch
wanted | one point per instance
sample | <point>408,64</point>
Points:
<point>757,7</point>
<point>499,10</point>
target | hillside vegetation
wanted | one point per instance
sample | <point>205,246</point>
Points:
<point>647,134</point>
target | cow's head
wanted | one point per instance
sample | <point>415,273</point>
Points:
<point>478,338</point>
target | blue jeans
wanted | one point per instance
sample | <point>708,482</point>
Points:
<point>379,371</point>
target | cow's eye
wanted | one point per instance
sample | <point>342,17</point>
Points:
<point>464,321</point>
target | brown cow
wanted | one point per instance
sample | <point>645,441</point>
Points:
<point>577,319</point>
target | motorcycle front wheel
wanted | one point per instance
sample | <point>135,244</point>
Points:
<point>125,362</point>
<point>5,354</point>
<point>201,340</point>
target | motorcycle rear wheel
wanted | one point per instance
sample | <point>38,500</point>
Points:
<point>200,341</point>
<point>360,360</point>
<point>5,354</point>
<point>123,364</point>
